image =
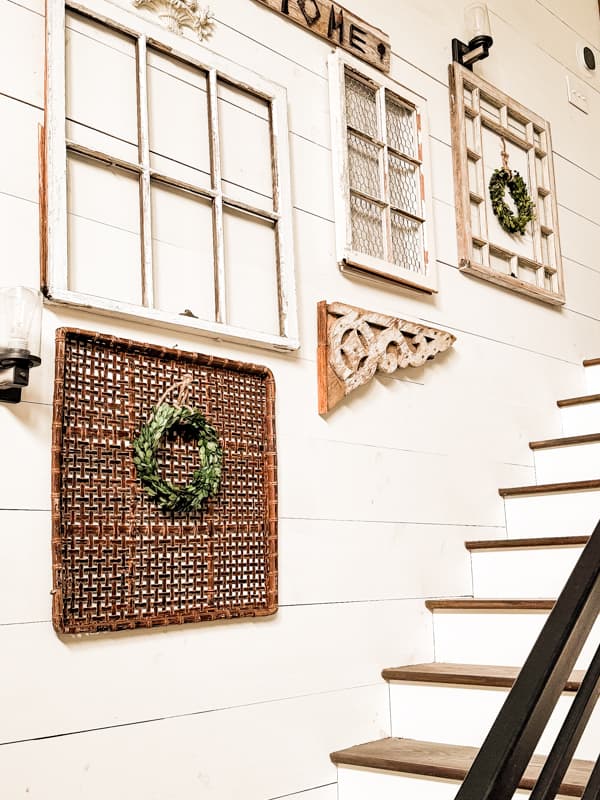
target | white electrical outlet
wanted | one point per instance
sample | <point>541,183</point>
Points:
<point>576,93</point>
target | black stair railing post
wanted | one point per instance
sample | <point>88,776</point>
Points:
<point>559,758</point>
<point>510,744</point>
<point>592,790</point>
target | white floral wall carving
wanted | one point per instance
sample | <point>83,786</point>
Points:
<point>179,14</point>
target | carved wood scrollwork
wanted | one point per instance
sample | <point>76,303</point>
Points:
<point>179,14</point>
<point>353,344</point>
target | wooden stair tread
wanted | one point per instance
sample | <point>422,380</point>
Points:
<point>448,761</point>
<point>566,441</point>
<point>591,362</point>
<point>466,675</point>
<point>539,541</point>
<point>578,401</point>
<point>476,604</point>
<point>549,488</point>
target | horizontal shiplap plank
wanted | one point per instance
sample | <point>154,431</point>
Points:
<point>115,679</point>
<point>25,430</point>
<point>19,153</point>
<point>325,562</point>
<point>255,752</point>
<point>25,567</point>
<point>322,793</point>
<point>19,229</point>
<point>580,238</point>
<point>337,480</point>
<point>319,562</point>
<point>22,51</point>
<point>471,369</point>
<point>318,478</point>
<point>580,16</point>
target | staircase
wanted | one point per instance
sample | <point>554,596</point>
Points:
<point>441,712</point>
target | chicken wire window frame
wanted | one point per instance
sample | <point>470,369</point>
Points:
<point>478,106</point>
<point>56,149</point>
<point>383,197</point>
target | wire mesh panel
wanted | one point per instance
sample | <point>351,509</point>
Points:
<point>401,126</point>
<point>118,560</point>
<point>361,106</point>
<point>383,196</point>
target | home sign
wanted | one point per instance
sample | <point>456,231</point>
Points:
<point>339,26</point>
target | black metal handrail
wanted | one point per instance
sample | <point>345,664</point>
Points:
<point>510,744</point>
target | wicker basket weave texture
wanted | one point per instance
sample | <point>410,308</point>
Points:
<point>118,560</point>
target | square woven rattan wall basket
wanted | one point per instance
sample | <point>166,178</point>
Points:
<point>119,561</point>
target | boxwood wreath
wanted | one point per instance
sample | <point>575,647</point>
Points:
<point>167,420</point>
<point>504,179</point>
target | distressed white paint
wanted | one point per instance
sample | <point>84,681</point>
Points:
<point>522,572</point>
<point>423,456</point>
<point>348,254</point>
<point>98,61</point>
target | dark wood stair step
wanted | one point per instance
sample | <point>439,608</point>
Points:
<point>566,441</point>
<point>451,762</point>
<point>514,544</point>
<point>475,604</point>
<point>486,675</point>
<point>578,401</point>
<point>550,488</point>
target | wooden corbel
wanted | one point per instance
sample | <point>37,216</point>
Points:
<point>353,344</point>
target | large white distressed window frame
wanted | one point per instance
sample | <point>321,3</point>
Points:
<point>55,276</point>
<point>478,108</point>
<point>393,264</point>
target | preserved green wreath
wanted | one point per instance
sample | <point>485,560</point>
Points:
<point>504,179</point>
<point>165,420</point>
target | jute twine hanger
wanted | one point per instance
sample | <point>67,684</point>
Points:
<point>505,157</point>
<point>184,387</point>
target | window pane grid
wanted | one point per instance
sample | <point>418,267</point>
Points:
<point>150,178</point>
<point>384,175</point>
<point>400,125</point>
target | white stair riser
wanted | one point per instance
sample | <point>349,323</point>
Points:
<point>355,783</point>
<point>555,514</point>
<point>522,572</point>
<point>488,637</point>
<point>592,379</point>
<point>577,462</point>
<point>464,715</point>
<point>580,419</point>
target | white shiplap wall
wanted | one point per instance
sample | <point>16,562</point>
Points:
<point>375,501</point>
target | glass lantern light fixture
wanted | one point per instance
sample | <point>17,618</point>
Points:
<point>477,22</point>
<point>20,339</point>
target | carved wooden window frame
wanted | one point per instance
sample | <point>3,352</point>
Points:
<point>350,258</point>
<point>467,91</point>
<point>148,34</point>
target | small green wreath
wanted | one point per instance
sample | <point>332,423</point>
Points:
<point>504,179</point>
<point>169,419</point>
